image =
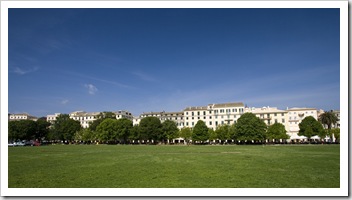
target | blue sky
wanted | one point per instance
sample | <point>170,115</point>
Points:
<point>142,60</point>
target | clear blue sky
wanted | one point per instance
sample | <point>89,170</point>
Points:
<point>142,60</point>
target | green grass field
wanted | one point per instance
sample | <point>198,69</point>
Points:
<point>126,166</point>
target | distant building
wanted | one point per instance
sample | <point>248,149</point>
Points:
<point>123,114</point>
<point>270,115</point>
<point>21,116</point>
<point>52,118</point>
<point>85,118</point>
<point>295,116</point>
<point>214,114</point>
<point>177,117</point>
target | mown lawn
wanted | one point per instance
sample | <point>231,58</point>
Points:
<point>126,166</point>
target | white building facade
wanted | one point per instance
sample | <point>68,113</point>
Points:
<point>214,114</point>
<point>85,118</point>
<point>295,116</point>
<point>21,116</point>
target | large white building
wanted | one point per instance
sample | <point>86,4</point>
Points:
<point>214,114</point>
<point>85,118</point>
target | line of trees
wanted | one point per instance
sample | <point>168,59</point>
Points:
<point>109,130</point>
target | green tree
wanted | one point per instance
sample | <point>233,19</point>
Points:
<point>310,127</point>
<point>249,127</point>
<point>124,129</point>
<point>186,134</point>
<point>276,131</point>
<point>223,132</point>
<point>169,130</point>
<point>212,134</point>
<point>42,128</point>
<point>65,128</point>
<point>100,118</point>
<point>150,129</point>
<point>85,135</point>
<point>22,130</point>
<point>13,130</point>
<point>134,133</point>
<point>336,133</point>
<point>329,118</point>
<point>200,132</point>
<point>107,131</point>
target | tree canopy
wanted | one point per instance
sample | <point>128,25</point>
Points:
<point>224,132</point>
<point>200,132</point>
<point>276,131</point>
<point>186,133</point>
<point>329,118</point>
<point>169,130</point>
<point>100,118</point>
<point>107,130</point>
<point>150,129</point>
<point>124,129</point>
<point>310,127</point>
<point>250,127</point>
<point>65,128</point>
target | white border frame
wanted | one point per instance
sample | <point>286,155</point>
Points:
<point>342,191</point>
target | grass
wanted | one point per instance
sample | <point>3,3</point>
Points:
<point>126,166</point>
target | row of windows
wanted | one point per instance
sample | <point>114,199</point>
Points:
<point>211,123</point>
<point>18,117</point>
<point>210,117</point>
<point>295,112</point>
<point>240,110</point>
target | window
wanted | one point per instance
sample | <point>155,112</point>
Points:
<point>192,123</point>
<point>204,113</point>
<point>210,123</point>
<point>192,117</point>
<point>209,111</point>
<point>275,114</point>
<point>186,118</point>
<point>204,117</point>
<point>192,113</point>
<point>186,123</point>
<point>186,113</point>
<point>283,120</point>
<point>198,117</point>
<point>235,109</point>
<point>216,123</point>
<point>198,113</point>
<point>209,117</point>
<point>275,120</point>
<point>282,114</point>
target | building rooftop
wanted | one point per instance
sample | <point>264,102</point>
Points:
<point>226,105</point>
